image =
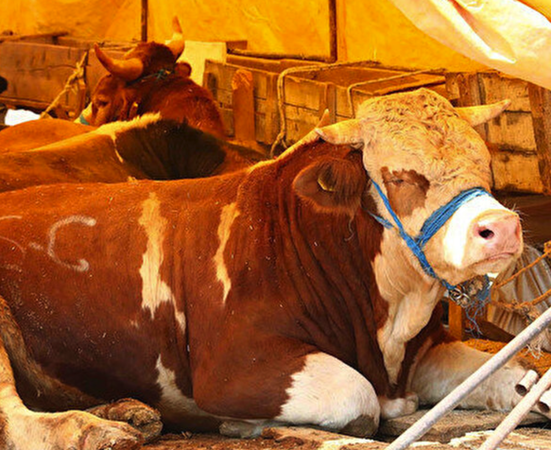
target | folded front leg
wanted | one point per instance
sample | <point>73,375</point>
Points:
<point>299,386</point>
<point>447,365</point>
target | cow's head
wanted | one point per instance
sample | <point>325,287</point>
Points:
<point>114,96</point>
<point>422,153</point>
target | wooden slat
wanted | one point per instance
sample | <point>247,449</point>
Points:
<point>540,102</point>
<point>37,72</point>
<point>243,106</point>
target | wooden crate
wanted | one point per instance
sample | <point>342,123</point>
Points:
<point>37,73</point>
<point>519,139</point>
<point>307,93</point>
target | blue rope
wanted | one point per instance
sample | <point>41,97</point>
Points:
<point>439,217</point>
<point>429,228</point>
<point>82,120</point>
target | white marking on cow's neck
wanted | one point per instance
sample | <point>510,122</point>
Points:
<point>411,297</point>
<point>173,402</point>
<point>114,128</point>
<point>457,230</point>
<point>154,290</point>
<point>228,215</point>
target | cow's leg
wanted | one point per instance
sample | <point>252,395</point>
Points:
<point>23,429</point>
<point>322,391</point>
<point>144,418</point>
<point>448,364</point>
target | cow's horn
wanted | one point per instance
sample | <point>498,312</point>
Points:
<point>349,132</point>
<point>177,42</point>
<point>127,69</point>
<point>477,115</point>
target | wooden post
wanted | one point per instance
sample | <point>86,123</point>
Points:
<point>540,104</point>
<point>144,20</point>
<point>243,106</point>
<point>456,320</point>
<point>333,32</point>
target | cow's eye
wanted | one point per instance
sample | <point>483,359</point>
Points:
<point>395,181</point>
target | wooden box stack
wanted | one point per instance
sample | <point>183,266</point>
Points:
<point>520,138</point>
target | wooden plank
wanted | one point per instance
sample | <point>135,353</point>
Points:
<point>540,102</point>
<point>497,86</point>
<point>303,93</point>
<point>38,72</point>
<point>513,131</point>
<point>515,171</point>
<point>470,95</point>
<point>270,110</point>
<point>456,321</point>
<point>243,106</point>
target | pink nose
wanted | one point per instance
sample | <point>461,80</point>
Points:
<point>498,231</point>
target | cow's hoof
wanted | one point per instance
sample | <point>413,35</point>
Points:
<point>142,417</point>
<point>243,430</point>
<point>363,426</point>
<point>398,407</point>
<point>122,437</point>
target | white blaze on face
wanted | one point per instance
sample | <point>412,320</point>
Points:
<point>154,290</point>
<point>457,242</point>
<point>228,215</point>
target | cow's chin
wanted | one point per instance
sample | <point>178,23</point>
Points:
<point>493,264</point>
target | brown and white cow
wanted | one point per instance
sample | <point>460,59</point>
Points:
<point>267,295</point>
<point>147,147</point>
<point>148,79</point>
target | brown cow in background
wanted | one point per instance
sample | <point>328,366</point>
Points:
<point>148,79</point>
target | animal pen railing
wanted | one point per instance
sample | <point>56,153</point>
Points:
<point>533,391</point>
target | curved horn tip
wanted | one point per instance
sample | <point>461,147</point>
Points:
<point>477,115</point>
<point>176,26</point>
<point>325,119</point>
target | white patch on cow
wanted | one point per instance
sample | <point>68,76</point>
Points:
<point>173,402</point>
<point>154,290</point>
<point>456,238</point>
<point>112,129</point>
<point>328,393</point>
<point>410,300</point>
<point>181,319</point>
<point>228,215</point>
<point>447,365</point>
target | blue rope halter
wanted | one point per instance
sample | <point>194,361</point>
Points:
<point>435,221</point>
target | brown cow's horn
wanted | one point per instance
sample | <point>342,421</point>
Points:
<point>177,42</point>
<point>477,115</point>
<point>349,132</point>
<point>127,69</point>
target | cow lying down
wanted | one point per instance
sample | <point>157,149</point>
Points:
<point>281,293</point>
<point>144,148</point>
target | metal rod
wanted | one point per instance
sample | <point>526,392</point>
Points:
<point>518,413</point>
<point>449,402</point>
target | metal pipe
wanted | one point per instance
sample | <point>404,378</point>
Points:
<point>449,402</point>
<point>517,414</point>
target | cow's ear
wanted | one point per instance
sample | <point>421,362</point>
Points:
<point>333,185</point>
<point>183,69</point>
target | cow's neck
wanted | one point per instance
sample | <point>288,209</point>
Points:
<point>411,297</point>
